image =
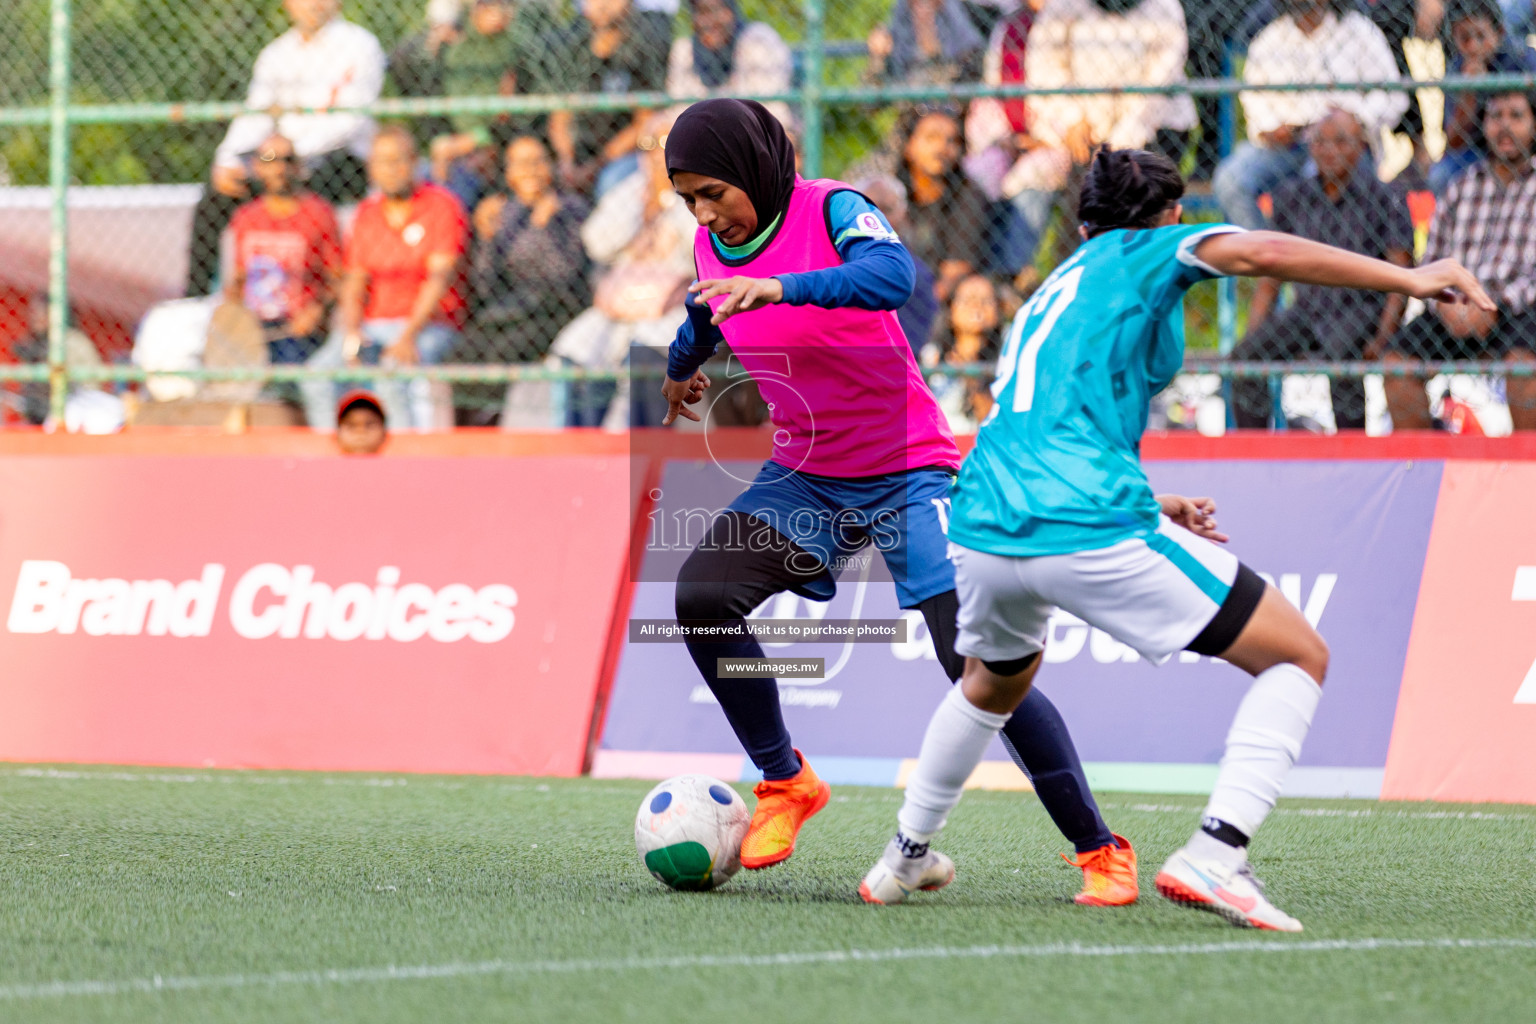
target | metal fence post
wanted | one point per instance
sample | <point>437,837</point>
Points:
<point>58,188</point>
<point>810,89</point>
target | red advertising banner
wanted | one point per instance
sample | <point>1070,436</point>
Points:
<point>397,613</point>
<point>1466,715</point>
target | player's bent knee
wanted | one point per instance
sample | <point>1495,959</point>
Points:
<point>703,589</point>
<point>709,599</point>
<point>1314,659</point>
<point>699,599</point>
<point>1308,651</point>
<point>706,588</point>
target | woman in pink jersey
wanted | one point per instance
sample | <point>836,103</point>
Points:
<point>803,279</point>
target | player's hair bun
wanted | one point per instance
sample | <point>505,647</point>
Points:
<point>1127,188</point>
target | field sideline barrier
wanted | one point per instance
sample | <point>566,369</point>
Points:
<point>259,601</point>
<point>1413,554</point>
<point>1429,610</point>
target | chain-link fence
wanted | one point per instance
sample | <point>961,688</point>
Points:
<point>243,205</point>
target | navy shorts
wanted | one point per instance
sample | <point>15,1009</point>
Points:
<point>903,515</point>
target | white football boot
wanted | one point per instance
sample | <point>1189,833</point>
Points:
<point>1230,890</point>
<point>896,876</point>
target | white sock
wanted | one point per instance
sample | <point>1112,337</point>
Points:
<point>957,736</point>
<point>1203,846</point>
<point>1263,743</point>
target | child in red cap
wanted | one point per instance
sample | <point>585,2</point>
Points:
<point>360,426</point>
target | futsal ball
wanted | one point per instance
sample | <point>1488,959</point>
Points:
<point>688,832</point>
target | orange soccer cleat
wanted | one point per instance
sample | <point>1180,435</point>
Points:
<point>1109,875</point>
<point>783,805</point>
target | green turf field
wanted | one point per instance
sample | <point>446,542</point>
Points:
<point>160,895</point>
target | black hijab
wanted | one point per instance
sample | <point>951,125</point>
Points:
<point>740,143</point>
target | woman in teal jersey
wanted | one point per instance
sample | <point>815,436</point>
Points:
<point>1052,510</point>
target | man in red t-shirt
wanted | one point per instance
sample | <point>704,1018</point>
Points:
<point>287,253</point>
<point>402,293</point>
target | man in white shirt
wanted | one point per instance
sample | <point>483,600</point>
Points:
<point>1111,43</point>
<point>1309,42</point>
<point>1108,43</point>
<point>323,61</point>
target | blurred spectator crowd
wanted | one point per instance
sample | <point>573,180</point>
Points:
<point>556,239</point>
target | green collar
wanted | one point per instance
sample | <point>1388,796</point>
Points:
<point>741,252</point>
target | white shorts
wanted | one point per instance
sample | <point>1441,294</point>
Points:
<point>1154,594</point>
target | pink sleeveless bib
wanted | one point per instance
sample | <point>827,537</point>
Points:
<point>844,393</point>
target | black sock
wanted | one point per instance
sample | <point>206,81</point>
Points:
<point>1224,832</point>
<point>751,706</point>
<point>739,564</point>
<point>1036,738</point>
<point>1044,748</point>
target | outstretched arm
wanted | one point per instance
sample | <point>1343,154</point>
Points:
<point>1288,258</point>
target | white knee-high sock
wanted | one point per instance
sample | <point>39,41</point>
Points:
<point>1263,743</point>
<point>957,736</point>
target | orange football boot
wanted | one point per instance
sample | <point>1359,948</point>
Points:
<point>783,805</point>
<point>1109,875</point>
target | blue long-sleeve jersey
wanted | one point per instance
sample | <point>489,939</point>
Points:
<point>877,273</point>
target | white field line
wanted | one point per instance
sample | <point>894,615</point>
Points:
<point>1335,812</point>
<point>424,972</point>
<point>257,778</point>
<point>895,797</point>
